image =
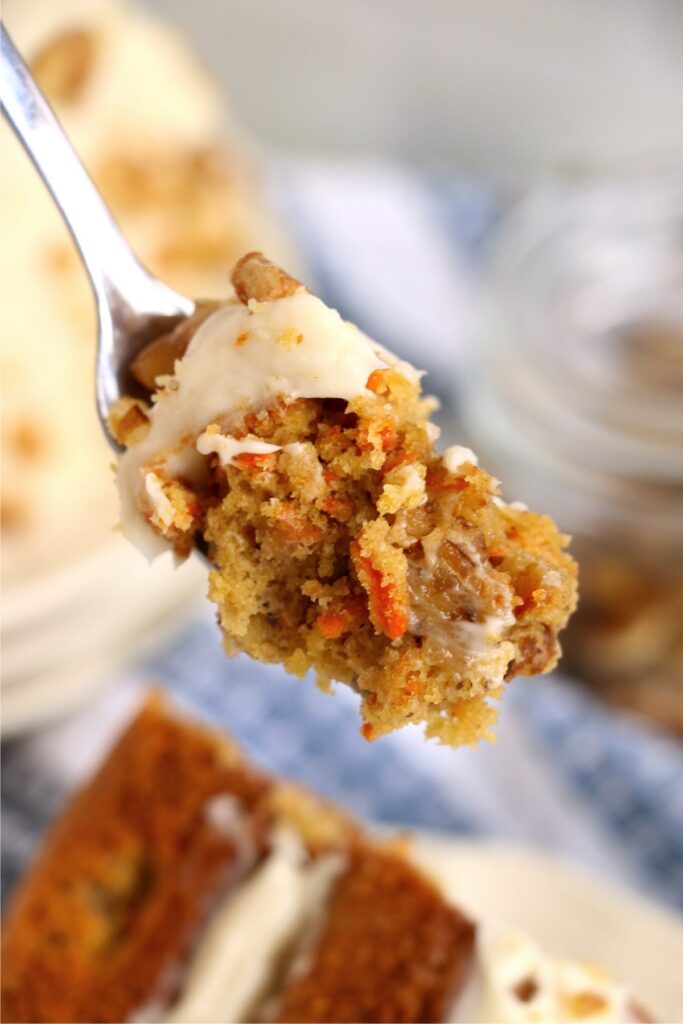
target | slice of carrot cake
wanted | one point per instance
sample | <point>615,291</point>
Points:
<point>300,456</point>
<point>183,885</point>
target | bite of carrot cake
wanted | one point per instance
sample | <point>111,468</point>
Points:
<point>300,456</point>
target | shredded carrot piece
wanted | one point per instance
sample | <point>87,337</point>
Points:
<point>387,605</point>
<point>439,479</point>
<point>414,688</point>
<point>332,624</point>
<point>268,416</point>
<point>338,506</point>
<point>398,458</point>
<point>377,382</point>
<point>367,730</point>
<point>385,431</point>
<point>293,526</point>
<point>348,614</point>
<point>254,460</point>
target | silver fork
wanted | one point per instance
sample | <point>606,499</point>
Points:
<point>132,306</point>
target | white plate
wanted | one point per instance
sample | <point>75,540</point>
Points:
<point>111,605</point>
<point>58,653</point>
<point>568,911</point>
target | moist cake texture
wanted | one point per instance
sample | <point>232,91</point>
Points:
<point>301,456</point>
<point>381,919</point>
<point>184,885</point>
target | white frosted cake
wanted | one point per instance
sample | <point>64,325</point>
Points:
<point>152,128</point>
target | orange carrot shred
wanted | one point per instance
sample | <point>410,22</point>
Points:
<point>332,624</point>
<point>388,607</point>
<point>293,525</point>
<point>254,460</point>
<point>398,458</point>
<point>377,381</point>
<point>338,506</point>
<point>440,479</point>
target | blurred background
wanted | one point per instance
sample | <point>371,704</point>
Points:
<point>493,189</point>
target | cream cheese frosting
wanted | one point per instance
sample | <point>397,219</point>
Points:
<point>511,980</point>
<point>227,448</point>
<point>456,456</point>
<point>236,958</point>
<point>241,359</point>
<point>514,981</point>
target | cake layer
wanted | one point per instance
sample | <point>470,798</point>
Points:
<point>107,913</point>
<point>237,962</point>
<point>389,949</point>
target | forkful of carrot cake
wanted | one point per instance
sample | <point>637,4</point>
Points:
<point>299,457</point>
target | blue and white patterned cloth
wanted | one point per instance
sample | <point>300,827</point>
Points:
<point>397,253</point>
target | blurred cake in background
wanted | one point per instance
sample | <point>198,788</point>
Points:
<point>183,884</point>
<point>154,133</point>
<point>153,130</point>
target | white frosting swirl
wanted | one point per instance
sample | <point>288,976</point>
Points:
<point>238,953</point>
<point>242,358</point>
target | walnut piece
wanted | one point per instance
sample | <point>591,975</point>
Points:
<point>63,67</point>
<point>159,357</point>
<point>255,277</point>
<point>128,421</point>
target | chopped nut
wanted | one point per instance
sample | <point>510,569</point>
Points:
<point>26,440</point>
<point>62,67</point>
<point>526,989</point>
<point>255,277</point>
<point>158,358</point>
<point>13,514</point>
<point>59,258</point>
<point>128,421</point>
<point>584,1004</point>
<point>641,1015</point>
<point>189,178</point>
<point>290,337</point>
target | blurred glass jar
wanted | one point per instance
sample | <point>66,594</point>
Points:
<point>575,400</point>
